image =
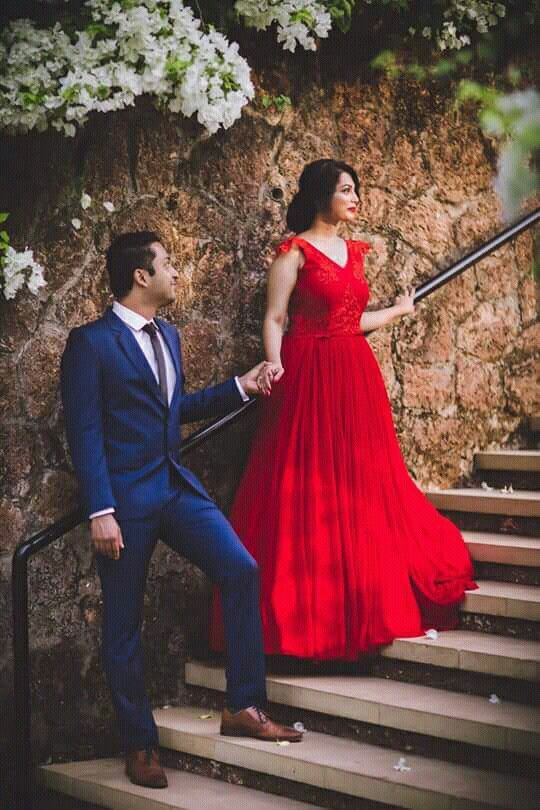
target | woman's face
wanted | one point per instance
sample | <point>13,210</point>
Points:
<point>344,200</point>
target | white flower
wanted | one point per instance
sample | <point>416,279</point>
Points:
<point>401,765</point>
<point>76,222</point>
<point>432,634</point>
<point>86,201</point>
<point>152,46</point>
<point>108,206</point>
<point>18,268</point>
<point>460,15</point>
<point>298,21</point>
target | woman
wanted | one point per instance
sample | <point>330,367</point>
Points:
<point>351,553</point>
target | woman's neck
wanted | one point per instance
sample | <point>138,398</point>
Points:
<point>324,229</point>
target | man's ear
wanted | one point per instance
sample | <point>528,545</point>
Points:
<point>140,277</point>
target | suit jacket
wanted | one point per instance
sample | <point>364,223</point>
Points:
<point>122,436</point>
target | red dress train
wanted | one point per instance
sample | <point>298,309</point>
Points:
<point>351,552</point>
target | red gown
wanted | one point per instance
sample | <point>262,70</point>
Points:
<point>351,552</point>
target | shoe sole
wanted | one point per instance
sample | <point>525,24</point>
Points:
<point>257,737</point>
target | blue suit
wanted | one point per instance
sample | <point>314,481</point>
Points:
<point>125,444</point>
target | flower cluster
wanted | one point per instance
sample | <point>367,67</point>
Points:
<point>298,21</point>
<point>16,268</point>
<point>461,16</point>
<point>129,48</point>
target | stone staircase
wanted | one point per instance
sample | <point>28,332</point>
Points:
<point>450,722</point>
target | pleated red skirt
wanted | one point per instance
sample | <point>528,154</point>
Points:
<point>351,552</point>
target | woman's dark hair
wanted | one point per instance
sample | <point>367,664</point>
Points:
<point>317,183</point>
<point>126,253</point>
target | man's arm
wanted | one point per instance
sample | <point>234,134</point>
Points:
<point>218,400</point>
<point>81,389</point>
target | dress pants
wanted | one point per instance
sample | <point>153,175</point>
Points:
<point>193,526</point>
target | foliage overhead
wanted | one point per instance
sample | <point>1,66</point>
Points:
<point>108,52</point>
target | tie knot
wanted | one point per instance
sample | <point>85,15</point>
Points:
<point>150,329</point>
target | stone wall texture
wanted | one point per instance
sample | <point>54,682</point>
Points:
<point>460,374</point>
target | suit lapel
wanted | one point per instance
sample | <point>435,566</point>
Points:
<point>133,351</point>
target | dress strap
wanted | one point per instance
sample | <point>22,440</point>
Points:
<point>360,248</point>
<point>285,246</point>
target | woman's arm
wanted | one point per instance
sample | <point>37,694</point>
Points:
<point>382,317</point>
<point>281,281</point>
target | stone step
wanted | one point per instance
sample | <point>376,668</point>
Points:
<point>511,460</point>
<point>348,767</point>
<point>506,549</point>
<point>103,782</point>
<point>504,599</point>
<point>522,503</point>
<point>465,650</point>
<point>409,707</point>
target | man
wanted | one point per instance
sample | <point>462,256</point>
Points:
<point>124,402</point>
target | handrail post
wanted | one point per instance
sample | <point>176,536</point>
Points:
<point>21,679</point>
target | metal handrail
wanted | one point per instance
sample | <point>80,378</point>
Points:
<point>28,548</point>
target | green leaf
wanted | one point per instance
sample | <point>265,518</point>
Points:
<point>4,236</point>
<point>71,93</point>
<point>176,68</point>
<point>492,122</point>
<point>3,217</point>
<point>464,56</point>
<point>416,71</point>
<point>444,67</point>
<point>529,135</point>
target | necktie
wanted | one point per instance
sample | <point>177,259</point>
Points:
<point>151,330</point>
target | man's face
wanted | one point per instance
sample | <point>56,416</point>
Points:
<point>162,285</point>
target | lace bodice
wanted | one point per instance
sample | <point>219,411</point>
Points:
<point>328,299</point>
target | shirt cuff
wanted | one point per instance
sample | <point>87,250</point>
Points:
<point>241,390</point>
<point>108,511</point>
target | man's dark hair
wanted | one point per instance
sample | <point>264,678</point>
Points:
<point>126,253</point>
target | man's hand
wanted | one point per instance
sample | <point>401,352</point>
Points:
<point>260,378</point>
<point>106,536</point>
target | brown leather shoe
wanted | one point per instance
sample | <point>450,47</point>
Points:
<point>253,722</point>
<point>143,768</point>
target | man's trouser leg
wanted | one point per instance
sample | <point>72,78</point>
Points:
<point>123,583</point>
<point>194,526</point>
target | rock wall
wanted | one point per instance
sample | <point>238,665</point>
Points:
<point>460,374</point>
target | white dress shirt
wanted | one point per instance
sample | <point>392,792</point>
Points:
<point>135,323</point>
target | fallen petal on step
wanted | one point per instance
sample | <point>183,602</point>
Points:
<point>494,699</point>
<point>486,486</point>
<point>299,727</point>
<point>508,490</point>
<point>401,765</point>
<point>206,716</point>
<point>432,634</point>
<point>282,742</point>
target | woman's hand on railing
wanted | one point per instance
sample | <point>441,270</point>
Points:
<point>404,304</point>
<point>106,536</point>
<point>375,319</point>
